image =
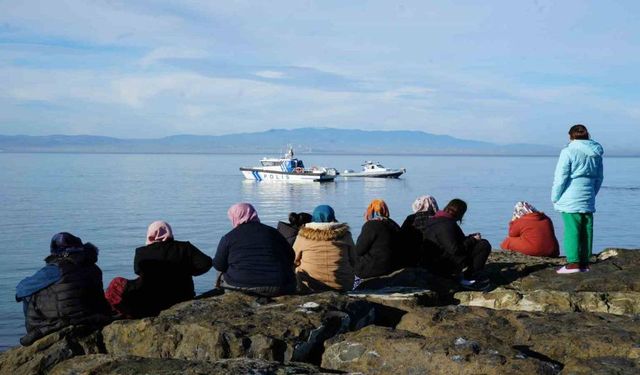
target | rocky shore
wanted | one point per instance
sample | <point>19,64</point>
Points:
<point>532,321</point>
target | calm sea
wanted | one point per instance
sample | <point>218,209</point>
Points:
<point>110,199</point>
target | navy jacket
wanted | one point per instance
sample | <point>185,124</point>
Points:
<point>255,255</point>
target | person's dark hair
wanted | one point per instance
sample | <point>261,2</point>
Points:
<point>299,219</point>
<point>456,208</point>
<point>578,131</point>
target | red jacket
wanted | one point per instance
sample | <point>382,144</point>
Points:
<point>532,234</point>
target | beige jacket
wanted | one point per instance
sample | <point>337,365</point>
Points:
<point>322,253</point>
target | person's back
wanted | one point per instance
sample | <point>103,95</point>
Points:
<point>531,232</point>
<point>166,272</point>
<point>290,230</point>
<point>67,291</point>
<point>444,244</point>
<point>577,180</point>
<point>375,253</point>
<point>450,252</point>
<point>165,268</point>
<point>254,257</point>
<point>257,256</point>
<point>579,177</point>
<point>322,251</point>
<point>414,227</point>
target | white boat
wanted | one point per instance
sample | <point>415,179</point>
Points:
<point>287,168</point>
<point>374,169</point>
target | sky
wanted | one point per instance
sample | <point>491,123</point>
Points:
<point>497,71</point>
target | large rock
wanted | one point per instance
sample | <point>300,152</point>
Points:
<point>101,364</point>
<point>50,350</point>
<point>382,350</point>
<point>531,284</point>
<point>290,328</point>
<point>555,338</point>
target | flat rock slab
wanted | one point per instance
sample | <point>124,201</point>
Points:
<point>101,364</point>
<point>290,328</point>
<point>382,350</point>
<point>566,339</point>
<point>612,286</point>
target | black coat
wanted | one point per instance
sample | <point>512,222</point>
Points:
<point>165,269</point>
<point>377,250</point>
<point>446,246</point>
<point>255,255</point>
<point>76,298</point>
<point>413,233</point>
<point>288,231</point>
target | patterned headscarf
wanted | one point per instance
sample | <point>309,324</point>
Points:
<point>522,208</point>
<point>377,210</point>
<point>159,231</point>
<point>425,203</point>
<point>241,213</point>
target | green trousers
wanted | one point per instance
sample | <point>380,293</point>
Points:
<point>578,237</point>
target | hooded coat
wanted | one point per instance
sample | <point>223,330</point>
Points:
<point>578,177</point>
<point>322,255</point>
<point>67,291</point>
<point>532,234</point>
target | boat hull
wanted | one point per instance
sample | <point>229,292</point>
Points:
<point>393,174</point>
<point>257,174</point>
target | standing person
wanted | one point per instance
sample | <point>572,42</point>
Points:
<point>165,268</point>
<point>414,227</point>
<point>253,257</point>
<point>577,181</point>
<point>67,291</point>
<point>450,252</point>
<point>296,221</point>
<point>531,232</point>
<point>322,252</point>
<point>376,250</point>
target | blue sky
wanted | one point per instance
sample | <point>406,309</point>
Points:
<point>499,71</point>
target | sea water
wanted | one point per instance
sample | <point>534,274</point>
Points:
<point>109,199</point>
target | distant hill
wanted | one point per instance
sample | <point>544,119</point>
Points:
<point>304,140</point>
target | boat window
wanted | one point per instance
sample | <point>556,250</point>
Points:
<point>269,163</point>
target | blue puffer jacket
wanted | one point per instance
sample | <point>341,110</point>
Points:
<point>578,177</point>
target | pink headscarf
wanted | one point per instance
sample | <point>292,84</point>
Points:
<point>159,231</point>
<point>241,213</point>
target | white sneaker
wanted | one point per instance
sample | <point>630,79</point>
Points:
<point>564,270</point>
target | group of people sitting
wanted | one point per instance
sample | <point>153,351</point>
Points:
<point>311,253</point>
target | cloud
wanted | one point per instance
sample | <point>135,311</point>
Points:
<point>270,74</point>
<point>491,71</point>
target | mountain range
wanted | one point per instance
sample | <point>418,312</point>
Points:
<point>304,140</point>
